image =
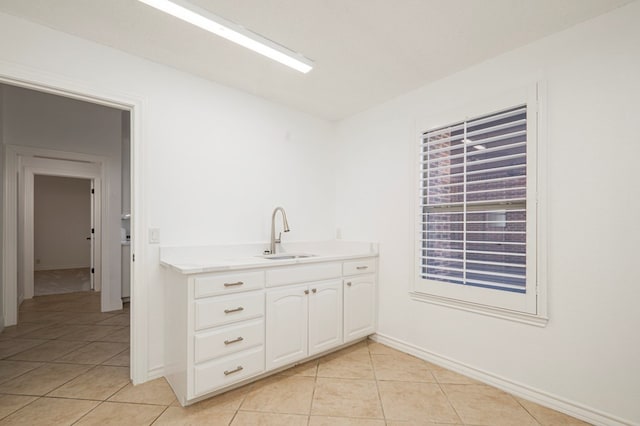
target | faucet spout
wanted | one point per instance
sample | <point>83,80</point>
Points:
<point>285,225</point>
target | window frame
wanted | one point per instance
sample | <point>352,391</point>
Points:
<point>529,307</point>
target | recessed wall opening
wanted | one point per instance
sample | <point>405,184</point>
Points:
<point>66,225</point>
<point>62,243</point>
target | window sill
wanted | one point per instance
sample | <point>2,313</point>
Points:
<point>529,319</point>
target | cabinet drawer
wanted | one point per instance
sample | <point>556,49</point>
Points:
<point>227,340</point>
<point>354,267</point>
<point>219,373</point>
<point>213,285</point>
<point>303,273</point>
<point>220,310</point>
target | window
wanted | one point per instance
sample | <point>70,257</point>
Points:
<point>476,236</point>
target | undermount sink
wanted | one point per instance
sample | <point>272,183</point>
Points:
<point>281,256</point>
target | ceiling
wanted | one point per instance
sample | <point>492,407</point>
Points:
<point>365,51</point>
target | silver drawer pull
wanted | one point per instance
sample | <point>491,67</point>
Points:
<point>233,284</point>
<point>238,309</point>
<point>235,370</point>
<point>228,342</point>
<point>361,267</point>
<point>313,290</point>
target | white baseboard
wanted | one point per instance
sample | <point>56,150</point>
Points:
<point>155,373</point>
<point>58,267</point>
<point>554,402</point>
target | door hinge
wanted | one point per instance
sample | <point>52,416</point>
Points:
<point>93,231</point>
<point>93,191</point>
<point>133,257</point>
<point>93,271</point>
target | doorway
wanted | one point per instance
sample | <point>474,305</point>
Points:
<point>16,162</point>
<point>64,182</point>
<point>62,238</point>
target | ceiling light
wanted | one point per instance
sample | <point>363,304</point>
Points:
<point>233,32</point>
<point>478,147</point>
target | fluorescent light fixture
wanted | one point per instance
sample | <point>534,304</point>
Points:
<point>479,147</point>
<point>233,32</point>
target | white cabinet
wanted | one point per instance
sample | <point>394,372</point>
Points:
<point>325,316</point>
<point>214,331</point>
<point>302,320</point>
<point>359,306</point>
<point>230,327</point>
<point>286,333</point>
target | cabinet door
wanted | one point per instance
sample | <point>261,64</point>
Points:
<point>325,316</point>
<point>359,306</point>
<point>286,333</point>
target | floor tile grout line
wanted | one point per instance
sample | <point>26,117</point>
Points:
<point>119,389</point>
<point>24,406</point>
<point>68,381</point>
<point>525,409</point>
<point>375,377</point>
<point>453,407</point>
<point>313,393</point>
<point>19,375</point>
<point>17,353</point>
<point>51,360</point>
<point>88,412</point>
<point>233,417</point>
<point>159,415</point>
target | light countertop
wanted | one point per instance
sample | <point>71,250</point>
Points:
<point>200,259</point>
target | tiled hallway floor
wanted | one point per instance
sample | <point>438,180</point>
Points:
<point>61,281</point>
<point>67,363</point>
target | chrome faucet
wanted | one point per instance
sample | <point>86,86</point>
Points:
<point>285,224</point>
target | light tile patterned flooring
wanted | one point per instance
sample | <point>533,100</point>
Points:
<point>60,281</point>
<point>67,363</point>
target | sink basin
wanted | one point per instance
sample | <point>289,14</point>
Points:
<point>281,256</point>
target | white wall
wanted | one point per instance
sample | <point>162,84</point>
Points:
<point>61,222</point>
<point>2,205</point>
<point>48,121</point>
<point>216,161</point>
<point>589,351</point>
<point>126,162</point>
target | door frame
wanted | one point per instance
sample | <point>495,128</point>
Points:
<point>64,166</point>
<point>66,86</point>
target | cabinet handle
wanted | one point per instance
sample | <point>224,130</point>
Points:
<point>349,283</point>
<point>233,284</point>
<point>314,290</point>
<point>238,309</point>
<point>306,292</point>
<point>235,370</point>
<point>228,342</point>
<point>361,267</point>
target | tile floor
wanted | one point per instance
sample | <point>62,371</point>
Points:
<point>61,281</point>
<point>67,363</point>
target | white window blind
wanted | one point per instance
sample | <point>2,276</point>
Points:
<point>473,194</point>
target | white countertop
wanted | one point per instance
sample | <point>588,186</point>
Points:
<point>199,259</point>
